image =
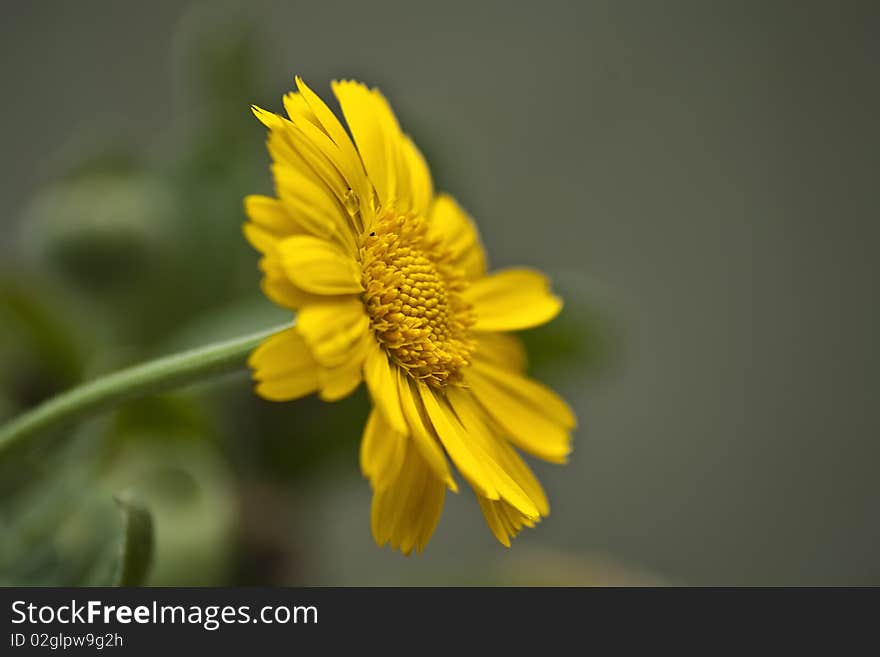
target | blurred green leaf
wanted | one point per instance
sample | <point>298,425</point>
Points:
<point>584,339</point>
<point>137,542</point>
<point>128,254</point>
<point>580,339</point>
<point>190,494</point>
<point>165,418</point>
<point>42,353</point>
<point>56,518</point>
<point>89,226</point>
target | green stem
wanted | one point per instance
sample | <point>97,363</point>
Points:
<point>148,378</point>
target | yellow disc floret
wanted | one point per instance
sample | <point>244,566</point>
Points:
<point>413,297</point>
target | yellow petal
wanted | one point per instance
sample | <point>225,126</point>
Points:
<point>305,149</point>
<point>503,519</point>
<point>380,378</point>
<point>406,512</point>
<point>268,119</point>
<point>512,299</point>
<point>451,434</point>
<point>382,451</point>
<point>281,291</point>
<point>388,513</point>
<point>314,206</point>
<point>268,212</point>
<point>430,508</point>
<point>319,267</point>
<point>379,141</point>
<point>529,414</point>
<point>503,350</point>
<point>500,451</point>
<point>459,233</point>
<point>374,143</point>
<point>258,237</point>
<point>419,177</point>
<point>289,144</point>
<point>540,395</point>
<point>490,513</point>
<point>333,328</point>
<point>323,156</point>
<point>269,222</point>
<point>421,431</point>
<point>475,444</point>
<point>283,367</point>
<point>298,109</point>
<point>278,287</point>
<point>347,158</point>
<point>340,380</point>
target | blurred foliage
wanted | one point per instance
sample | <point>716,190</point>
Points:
<point>59,522</point>
<point>125,257</point>
<point>136,550</point>
<point>39,357</point>
<point>582,335</point>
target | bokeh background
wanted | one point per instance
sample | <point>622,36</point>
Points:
<point>700,179</point>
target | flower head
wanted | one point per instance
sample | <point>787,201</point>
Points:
<point>389,283</point>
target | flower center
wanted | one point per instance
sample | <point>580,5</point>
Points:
<point>413,297</point>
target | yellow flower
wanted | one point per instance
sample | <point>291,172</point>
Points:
<point>389,282</point>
